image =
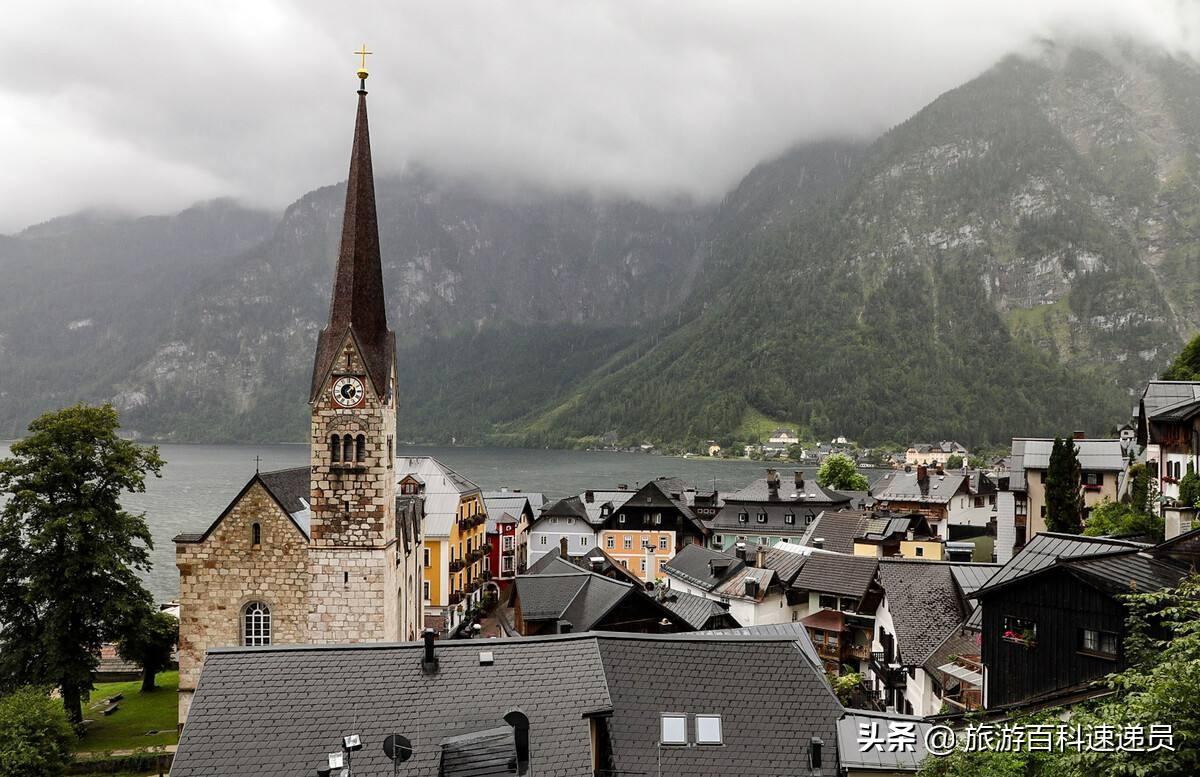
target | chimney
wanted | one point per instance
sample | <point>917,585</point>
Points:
<point>740,551</point>
<point>597,563</point>
<point>819,543</point>
<point>589,496</point>
<point>910,535</point>
<point>922,473</point>
<point>520,725</point>
<point>1079,435</point>
<point>939,469</point>
<point>773,479</point>
<point>752,588</point>
<point>760,557</point>
<point>799,481</point>
<point>429,661</point>
<point>648,560</point>
<point>562,547</point>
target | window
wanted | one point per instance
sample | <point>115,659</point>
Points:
<point>708,729</point>
<point>1020,631</point>
<point>583,541</point>
<point>256,624</point>
<point>662,542</point>
<point>643,566</point>
<point>919,550</point>
<point>743,517</point>
<point>674,729</point>
<point>789,519</point>
<point>425,554</point>
<point>425,590</point>
<point>360,448</point>
<point>335,448</point>
<point>610,543</point>
<point>506,564</point>
<point>1100,643</point>
<point>657,519</point>
<point>849,605</point>
<point>255,534</point>
<point>762,517</point>
<point>808,519</point>
<point>508,543</point>
<point>390,458</point>
<point>764,540</point>
<point>828,602</point>
<point>716,540</point>
<point>628,543</point>
<point>543,540</point>
<point>1093,479</point>
<point>621,518</point>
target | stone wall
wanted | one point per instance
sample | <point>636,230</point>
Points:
<point>223,573</point>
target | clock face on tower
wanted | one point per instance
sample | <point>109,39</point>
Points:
<point>347,391</point>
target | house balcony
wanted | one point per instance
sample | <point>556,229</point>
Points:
<point>859,652</point>
<point>892,676</point>
<point>456,565</point>
<point>454,598</point>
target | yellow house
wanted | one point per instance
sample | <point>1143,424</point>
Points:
<point>641,552</point>
<point>455,528</point>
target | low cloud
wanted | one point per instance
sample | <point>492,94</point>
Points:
<point>150,106</point>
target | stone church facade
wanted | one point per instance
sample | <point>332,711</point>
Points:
<point>328,553</point>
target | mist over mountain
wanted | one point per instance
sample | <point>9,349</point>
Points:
<point>1013,259</point>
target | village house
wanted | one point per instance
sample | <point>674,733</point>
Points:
<point>768,511</point>
<point>936,454</point>
<point>574,704</point>
<point>784,437</point>
<point>875,533</point>
<point>560,601</point>
<point>1021,507</point>
<point>509,516</point>
<point>650,527</point>
<point>751,590</point>
<point>1053,620</point>
<point>575,518</point>
<point>948,498</point>
<point>1168,433</point>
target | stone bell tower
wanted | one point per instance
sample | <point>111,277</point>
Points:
<point>353,545</point>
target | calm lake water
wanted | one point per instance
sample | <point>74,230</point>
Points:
<point>198,481</point>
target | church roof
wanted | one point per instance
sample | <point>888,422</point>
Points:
<point>357,307</point>
<point>283,487</point>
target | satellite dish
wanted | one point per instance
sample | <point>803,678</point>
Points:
<point>398,748</point>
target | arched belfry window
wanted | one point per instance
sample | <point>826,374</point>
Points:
<point>347,449</point>
<point>360,447</point>
<point>256,624</point>
<point>256,534</point>
<point>335,448</point>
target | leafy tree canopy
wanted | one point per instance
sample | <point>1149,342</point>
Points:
<point>1064,495</point>
<point>839,472</point>
<point>1117,519</point>
<point>35,736</point>
<point>149,643</point>
<point>954,461</point>
<point>1187,364</point>
<point>1189,487</point>
<point>69,553</point>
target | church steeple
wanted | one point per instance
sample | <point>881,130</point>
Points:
<point>357,305</point>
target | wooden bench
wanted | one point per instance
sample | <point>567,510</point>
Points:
<point>110,709</point>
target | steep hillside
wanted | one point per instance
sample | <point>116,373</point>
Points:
<point>1013,259</point>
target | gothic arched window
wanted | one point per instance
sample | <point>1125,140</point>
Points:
<point>347,449</point>
<point>360,447</point>
<point>256,624</point>
<point>335,448</point>
<point>255,534</point>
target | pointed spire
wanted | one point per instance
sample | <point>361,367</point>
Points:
<point>357,304</point>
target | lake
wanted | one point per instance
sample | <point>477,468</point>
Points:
<point>198,481</point>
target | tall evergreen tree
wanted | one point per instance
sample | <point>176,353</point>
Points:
<point>1064,489</point>
<point>69,553</point>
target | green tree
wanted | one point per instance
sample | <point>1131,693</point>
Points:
<point>954,461</point>
<point>977,462</point>
<point>1116,519</point>
<point>795,452</point>
<point>1187,364</point>
<point>839,472</point>
<point>1064,491</point>
<point>845,686</point>
<point>69,554</point>
<point>35,735</point>
<point>149,642</point>
<point>1139,490</point>
<point>1189,487</point>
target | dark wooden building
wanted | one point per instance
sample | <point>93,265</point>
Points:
<point>1048,635</point>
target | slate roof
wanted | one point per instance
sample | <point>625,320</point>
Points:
<point>568,507</point>
<point>837,528</point>
<point>285,488</point>
<point>1160,395</point>
<point>277,711</point>
<point>835,573</point>
<point>1126,572</point>
<point>971,577</point>
<point>958,642</point>
<point>903,486</point>
<point>1034,453</point>
<point>551,562</point>
<point>498,504</point>
<point>547,596</point>
<point>1045,548</point>
<point>793,630</point>
<point>692,564</point>
<point>879,758</point>
<point>696,610</point>
<point>357,307</point>
<point>479,754</point>
<point>788,493</point>
<point>614,499</point>
<point>924,603</point>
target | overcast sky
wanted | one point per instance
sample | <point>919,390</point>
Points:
<point>150,106</point>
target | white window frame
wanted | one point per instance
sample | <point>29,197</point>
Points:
<point>705,733</point>
<point>672,729</point>
<point>256,624</point>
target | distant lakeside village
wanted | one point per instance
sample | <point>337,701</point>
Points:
<point>381,612</point>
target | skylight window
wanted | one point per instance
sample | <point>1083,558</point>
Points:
<point>674,729</point>
<point>708,730</point>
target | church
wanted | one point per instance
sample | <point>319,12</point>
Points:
<point>327,553</point>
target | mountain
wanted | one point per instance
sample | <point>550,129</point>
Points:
<point>1013,259</point>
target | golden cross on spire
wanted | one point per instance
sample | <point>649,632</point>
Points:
<point>362,67</point>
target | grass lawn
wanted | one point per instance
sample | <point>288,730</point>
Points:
<point>139,712</point>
